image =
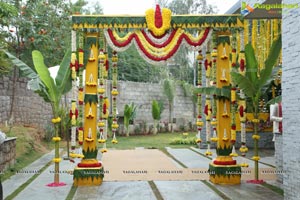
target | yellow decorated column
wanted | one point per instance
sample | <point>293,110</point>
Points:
<point>90,171</point>
<point>223,169</point>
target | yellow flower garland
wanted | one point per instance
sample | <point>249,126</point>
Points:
<point>56,120</point>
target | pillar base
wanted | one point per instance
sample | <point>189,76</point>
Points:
<point>225,174</point>
<point>88,176</point>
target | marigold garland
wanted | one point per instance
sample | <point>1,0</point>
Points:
<point>153,51</point>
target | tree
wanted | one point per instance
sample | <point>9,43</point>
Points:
<point>253,82</point>
<point>169,91</point>
<point>155,114</point>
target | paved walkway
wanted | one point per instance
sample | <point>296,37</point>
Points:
<point>171,186</point>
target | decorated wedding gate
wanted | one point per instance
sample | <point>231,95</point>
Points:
<point>219,41</point>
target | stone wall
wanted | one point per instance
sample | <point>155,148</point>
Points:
<point>7,153</point>
<point>29,109</point>
<point>291,100</point>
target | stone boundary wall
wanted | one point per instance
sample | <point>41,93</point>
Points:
<point>30,109</point>
<point>7,153</point>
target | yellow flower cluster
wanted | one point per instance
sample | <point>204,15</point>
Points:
<point>166,20</point>
<point>114,92</point>
<point>255,137</point>
<point>75,155</point>
<point>243,149</point>
<point>255,120</point>
<point>214,139</point>
<point>101,140</point>
<point>114,141</point>
<point>56,160</point>
<point>208,153</point>
<point>101,90</point>
<point>56,120</point>
<point>214,123</point>
<point>185,134</point>
<point>199,123</point>
<point>103,150</point>
<point>244,164</point>
<point>256,158</point>
<point>56,139</point>
<point>115,125</point>
<point>101,124</point>
<point>198,140</point>
<point>233,155</point>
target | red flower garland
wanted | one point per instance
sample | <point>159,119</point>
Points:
<point>170,39</point>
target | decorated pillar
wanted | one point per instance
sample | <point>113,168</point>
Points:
<point>90,171</point>
<point>224,170</point>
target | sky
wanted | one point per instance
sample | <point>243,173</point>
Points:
<point>138,7</point>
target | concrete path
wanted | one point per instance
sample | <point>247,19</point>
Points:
<point>22,176</point>
<point>38,189</point>
<point>248,191</point>
<point>125,190</point>
<point>186,186</point>
<point>188,190</point>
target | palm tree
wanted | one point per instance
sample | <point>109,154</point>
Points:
<point>253,82</point>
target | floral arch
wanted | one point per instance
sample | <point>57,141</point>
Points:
<point>219,41</point>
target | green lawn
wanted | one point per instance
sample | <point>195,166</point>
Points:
<point>158,141</point>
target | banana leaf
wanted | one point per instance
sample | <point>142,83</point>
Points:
<point>63,77</point>
<point>44,74</point>
<point>251,64</point>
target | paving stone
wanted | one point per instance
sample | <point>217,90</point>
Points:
<point>38,189</point>
<point>14,182</point>
<point>189,190</point>
<point>116,190</point>
<point>248,191</point>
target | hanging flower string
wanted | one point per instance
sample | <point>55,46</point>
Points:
<point>199,122</point>
<point>114,94</point>
<point>101,92</point>
<point>74,65</point>
<point>81,89</point>
<point>208,107</point>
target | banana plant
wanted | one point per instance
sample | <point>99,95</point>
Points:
<point>52,90</point>
<point>253,82</point>
<point>49,89</point>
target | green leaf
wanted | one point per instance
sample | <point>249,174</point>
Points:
<point>63,78</point>
<point>223,92</point>
<point>25,69</point>
<point>245,84</point>
<point>155,110</point>
<point>270,62</point>
<point>251,64</point>
<point>44,74</point>
<point>275,100</point>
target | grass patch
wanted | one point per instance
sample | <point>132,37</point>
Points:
<point>159,141</point>
<point>221,194</point>
<point>30,146</point>
<point>155,190</point>
<point>274,188</point>
<point>171,156</point>
<point>200,154</point>
<point>71,193</point>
